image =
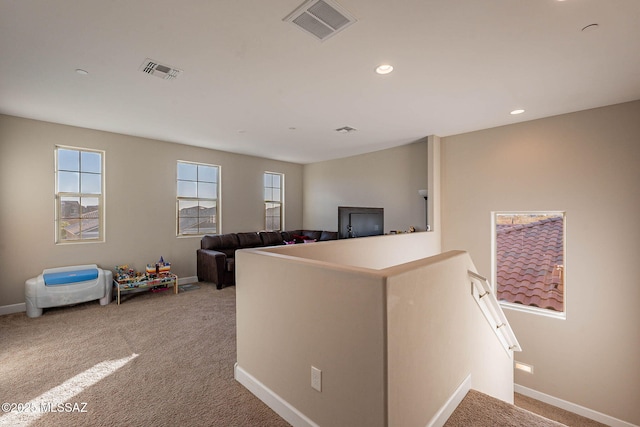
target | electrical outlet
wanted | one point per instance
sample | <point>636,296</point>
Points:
<point>316,378</point>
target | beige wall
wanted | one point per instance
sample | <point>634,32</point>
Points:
<point>393,343</point>
<point>292,315</point>
<point>140,200</point>
<point>436,337</point>
<point>588,165</point>
<point>585,163</point>
<point>388,179</point>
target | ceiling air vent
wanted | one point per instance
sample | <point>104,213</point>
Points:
<point>346,129</point>
<point>320,18</point>
<point>154,68</point>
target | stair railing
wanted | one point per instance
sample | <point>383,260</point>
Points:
<point>484,296</point>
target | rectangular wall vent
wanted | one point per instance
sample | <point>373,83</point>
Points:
<point>154,68</point>
<point>320,18</point>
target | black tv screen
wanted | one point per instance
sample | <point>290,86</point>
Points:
<point>360,222</point>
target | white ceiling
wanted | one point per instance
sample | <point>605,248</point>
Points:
<point>254,84</point>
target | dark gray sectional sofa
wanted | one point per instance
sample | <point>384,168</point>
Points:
<point>216,256</point>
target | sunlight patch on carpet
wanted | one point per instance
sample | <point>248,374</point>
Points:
<point>58,399</point>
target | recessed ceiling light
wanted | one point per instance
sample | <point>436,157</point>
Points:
<point>81,71</point>
<point>518,111</point>
<point>384,69</point>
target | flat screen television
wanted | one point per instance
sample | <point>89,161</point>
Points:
<point>360,222</point>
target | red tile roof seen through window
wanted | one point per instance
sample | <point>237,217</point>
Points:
<point>530,263</point>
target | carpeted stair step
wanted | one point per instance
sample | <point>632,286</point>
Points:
<point>480,410</point>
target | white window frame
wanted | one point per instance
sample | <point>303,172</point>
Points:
<point>197,199</point>
<point>60,195</point>
<point>270,201</point>
<point>494,267</point>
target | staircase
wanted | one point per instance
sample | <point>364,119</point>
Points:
<point>480,410</point>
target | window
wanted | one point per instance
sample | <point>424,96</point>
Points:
<point>79,186</point>
<point>197,198</point>
<point>273,201</point>
<point>528,266</point>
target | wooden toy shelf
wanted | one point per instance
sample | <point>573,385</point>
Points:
<point>165,281</point>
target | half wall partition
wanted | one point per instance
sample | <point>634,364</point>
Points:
<point>391,324</point>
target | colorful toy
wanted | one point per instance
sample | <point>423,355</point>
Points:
<point>128,276</point>
<point>160,268</point>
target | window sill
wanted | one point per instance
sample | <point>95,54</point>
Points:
<point>533,310</point>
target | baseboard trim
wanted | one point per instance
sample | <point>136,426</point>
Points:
<point>13,308</point>
<point>451,404</point>
<point>187,280</point>
<point>572,407</point>
<point>271,399</point>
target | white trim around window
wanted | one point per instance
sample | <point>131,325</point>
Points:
<point>273,201</point>
<point>79,195</point>
<point>197,199</point>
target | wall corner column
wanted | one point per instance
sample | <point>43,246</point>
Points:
<point>433,184</point>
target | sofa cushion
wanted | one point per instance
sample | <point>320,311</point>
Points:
<point>287,236</point>
<point>300,235</point>
<point>299,238</point>
<point>225,243</point>
<point>329,235</point>
<point>271,238</point>
<point>312,234</point>
<point>229,241</point>
<point>210,242</point>
<point>249,240</point>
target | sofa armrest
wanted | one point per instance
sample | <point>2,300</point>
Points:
<point>211,266</point>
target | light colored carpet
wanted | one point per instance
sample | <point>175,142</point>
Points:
<point>479,410</point>
<point>183,372</point>
<point>554,413</point>
<point>182,376</point>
